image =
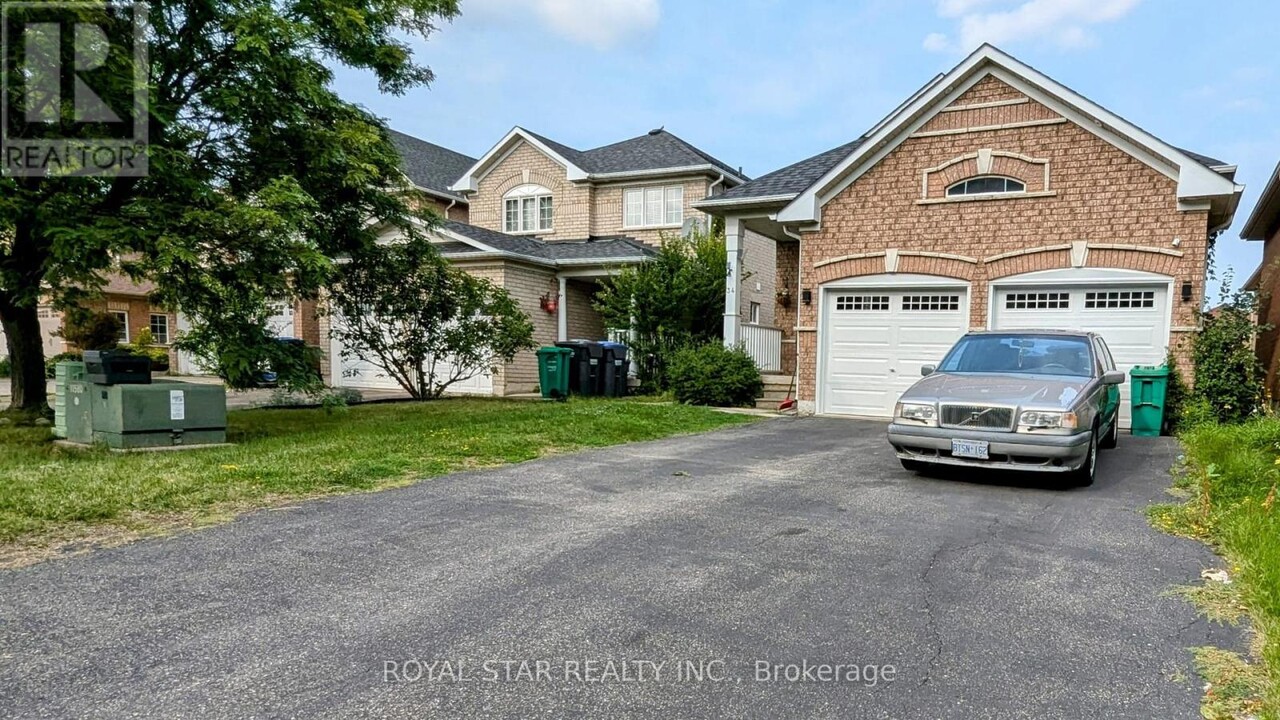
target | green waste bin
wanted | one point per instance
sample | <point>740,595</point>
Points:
<point>1147,387</point>
<point>553,371</point>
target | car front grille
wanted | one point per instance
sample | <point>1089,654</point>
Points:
<point>977,417</point>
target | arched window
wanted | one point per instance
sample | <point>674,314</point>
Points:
<point>986,186</point>
<point>527,208</point>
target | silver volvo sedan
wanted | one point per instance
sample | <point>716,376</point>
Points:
<point>1039,400</point>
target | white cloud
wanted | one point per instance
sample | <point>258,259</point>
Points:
<point>1063,22</point>
<point>601,24</point>
<point>936,42</point>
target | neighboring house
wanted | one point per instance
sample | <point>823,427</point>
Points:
<point>433,169</point>
<point>131,302</point>
<point>548,223</point>
<point>1264,226</point>
<point>994,197</point>
<point>127,300</point>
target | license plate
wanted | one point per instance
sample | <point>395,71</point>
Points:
<point>969,449</point>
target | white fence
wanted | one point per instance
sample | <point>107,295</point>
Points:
<point>764,345</point>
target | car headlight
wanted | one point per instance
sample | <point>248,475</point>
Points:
<point>918,412</point>
<point>1044,419</point>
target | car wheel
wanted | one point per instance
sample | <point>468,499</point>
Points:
<point>1088,472</point>
<point>1113,435</point>
<point>914,466</point>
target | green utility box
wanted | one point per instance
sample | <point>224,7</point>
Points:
<point>1146,394</point>
<point>162,414</point>
<point>63,373</point>
<point>553,371</point>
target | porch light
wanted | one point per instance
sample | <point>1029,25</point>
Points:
<point>1186,292</point>
<point>806,296</point>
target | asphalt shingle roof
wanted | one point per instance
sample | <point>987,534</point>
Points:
<point>792,179</point>
<point>655,150</point>
<point>1204,160</point>
<point>430,166</point>
<point>598,248</point>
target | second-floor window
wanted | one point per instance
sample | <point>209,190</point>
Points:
<point>986,186</point>
<point>653,206</point>
<point>527,208</point>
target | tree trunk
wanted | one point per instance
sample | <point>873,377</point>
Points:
<point>26,352</point>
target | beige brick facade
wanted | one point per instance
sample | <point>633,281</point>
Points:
<point>572,202</point>
<point>759,277</point>
<point>449,210</point>
<point>583,322</point>
<point>1096,193</point>
<point>607,210</point>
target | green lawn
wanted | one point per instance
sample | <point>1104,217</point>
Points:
<point>54,494</point>
<point>1231,487</point>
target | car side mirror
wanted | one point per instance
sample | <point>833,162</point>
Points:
<point>927,370</point>
<point>1113,377</point>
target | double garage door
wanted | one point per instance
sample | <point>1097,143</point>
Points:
<point>874,340</point>
<point>351,370</point>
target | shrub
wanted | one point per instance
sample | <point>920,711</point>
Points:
<point>50,365</point>
<point>711,374</point>
<point>1227,372</point>
<point>6,367</point>
<point>1177,398</point>
<point>92,329</point>
<point>673,300</point>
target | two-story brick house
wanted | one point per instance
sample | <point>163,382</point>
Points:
<point>995,198</point>
<point>548,222</point>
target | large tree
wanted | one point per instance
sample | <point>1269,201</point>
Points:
<point>259,172</point>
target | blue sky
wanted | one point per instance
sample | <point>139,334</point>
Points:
<point>764,83</point>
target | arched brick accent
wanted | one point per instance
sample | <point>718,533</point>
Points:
<point>848,268</point>
<point>1029,171</point>
<point>944,267</point>
<point>1033,262</point>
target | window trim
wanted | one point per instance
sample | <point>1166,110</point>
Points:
<point>872,301</point>
<point>151,324</point>
<point>948,194</point>
<point>644,204</point>
<point>1019,299</point>
<point>753,313</point>
<point>124,316</point>
<point>533,195</point>
<point>1129,299</point>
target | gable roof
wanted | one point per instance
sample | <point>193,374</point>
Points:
<point>1199,178</point>
<point>429,166</point>
<point>657,152</point>
<point>1266,214</point>
<point>784,184</point>
<point>464,239</point>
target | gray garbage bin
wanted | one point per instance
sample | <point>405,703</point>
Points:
<point>615,369</point>
<point>585,368</point>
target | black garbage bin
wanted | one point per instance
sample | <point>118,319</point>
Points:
<point>116,367</point>
<point>584,371</point>
<point>615,369</point>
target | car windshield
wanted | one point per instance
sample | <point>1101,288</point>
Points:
<point>1021,354</point>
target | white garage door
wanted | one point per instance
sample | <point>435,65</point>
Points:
<point>280,323</point>
<point>350,370</point>
<point>1132,317</point>
<point>875,340</point>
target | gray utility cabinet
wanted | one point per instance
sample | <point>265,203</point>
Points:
<point>160,414</point>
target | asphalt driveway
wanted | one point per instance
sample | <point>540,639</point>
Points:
<point>548,586</point>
